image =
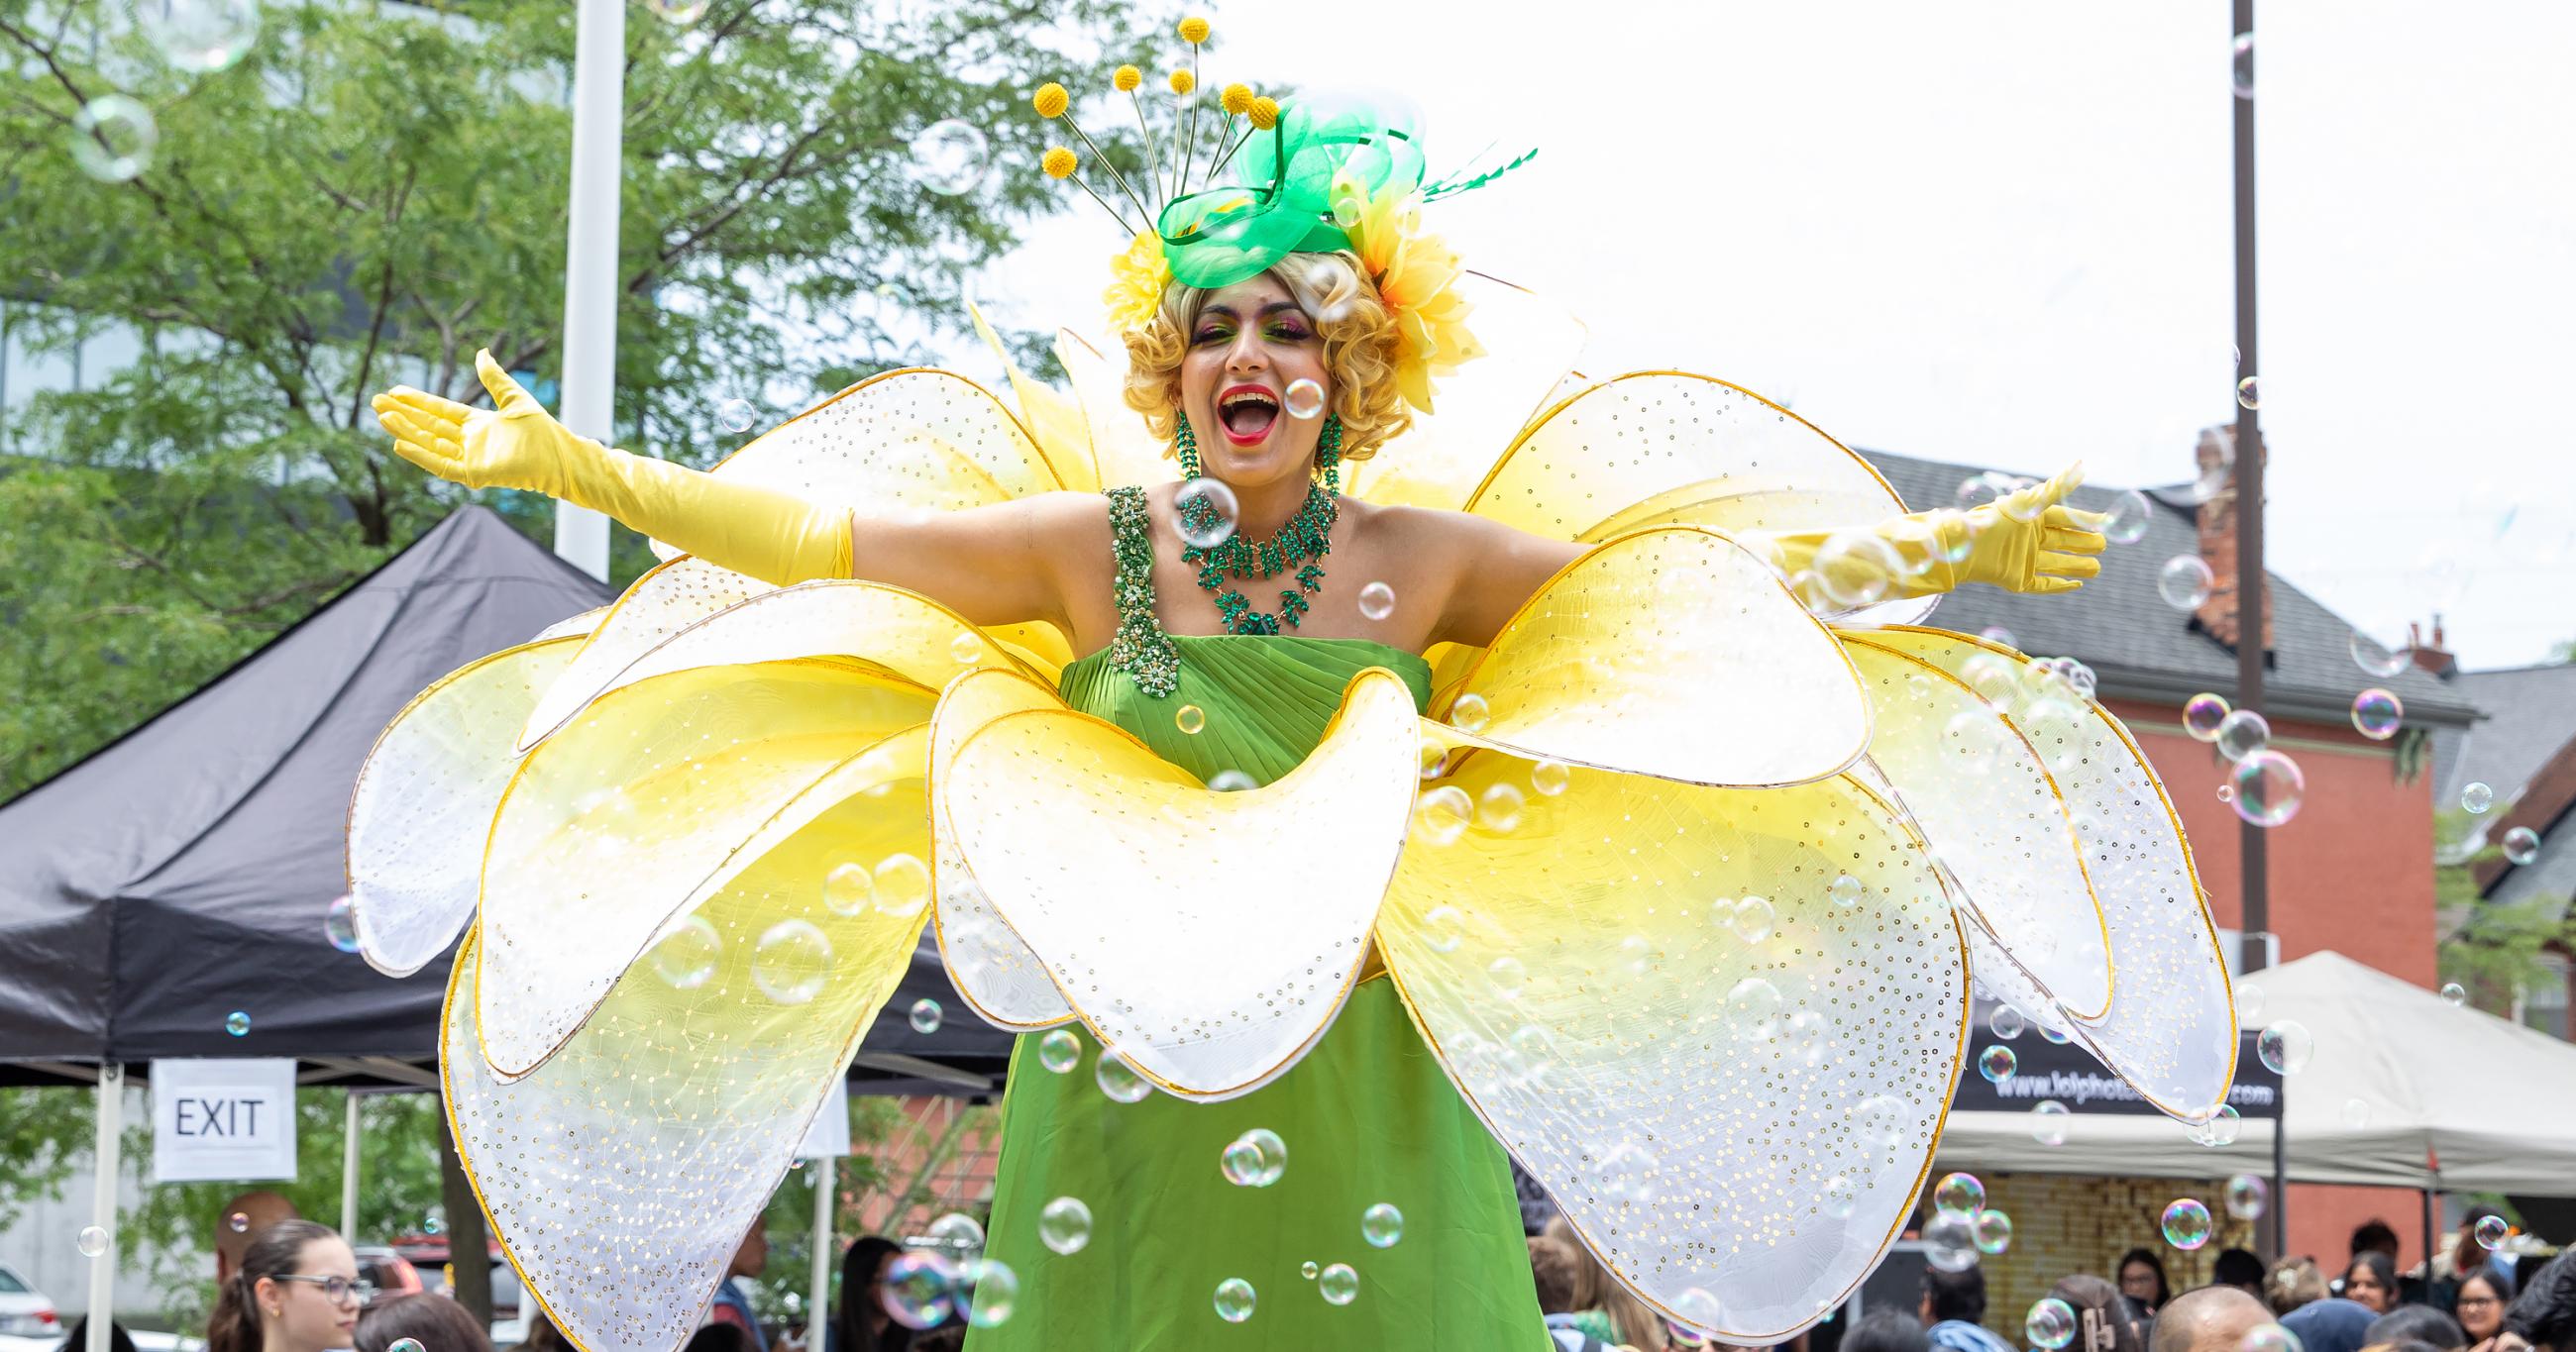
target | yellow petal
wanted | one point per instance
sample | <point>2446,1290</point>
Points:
<point>999,975</point>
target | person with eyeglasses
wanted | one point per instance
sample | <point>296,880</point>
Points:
<point>296,1289</point>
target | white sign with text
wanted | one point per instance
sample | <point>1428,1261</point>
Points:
<point>223,1121</point>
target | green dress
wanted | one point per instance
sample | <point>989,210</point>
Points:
<point>1367,1117</point>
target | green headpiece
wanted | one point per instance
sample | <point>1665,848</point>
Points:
<point>1286,202</point>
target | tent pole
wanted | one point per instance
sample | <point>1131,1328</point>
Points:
<point>2428,1233</point>
<point>107,1153</point>
<point>349,1172</point>
<point>2281,1175</point>
<point>819,1304</point>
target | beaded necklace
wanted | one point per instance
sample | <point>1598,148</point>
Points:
<point>1301,543</point>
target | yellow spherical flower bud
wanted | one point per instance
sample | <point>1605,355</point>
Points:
<point>1183,82</point>
<point>1194,29</point>
<point>1051,100</point>
<point>1059,162</point>
<point>1237,99</point>
<point>1127,78</point>
<point>1264,112</point>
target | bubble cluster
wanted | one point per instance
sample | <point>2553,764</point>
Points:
<point>1255,1159</point>
<point>2186,1224</point>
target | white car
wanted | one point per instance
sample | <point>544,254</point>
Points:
<point>25,1312</point>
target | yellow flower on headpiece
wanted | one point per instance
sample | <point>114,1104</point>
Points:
<point>1059,162</point>
<point>1265,112</point>
<point>1183,82</point>
<point>1194,29</point>
<point>1237,99</point>
<point>1126,79</point>
<point>1136,281</point>
<point>1416,275</point>
<point>1051,100</point>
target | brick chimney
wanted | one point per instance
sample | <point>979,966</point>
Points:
<point>2218,543</point>
<point>2432,656</point>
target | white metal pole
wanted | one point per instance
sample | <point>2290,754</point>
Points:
<point>102,1213</point>
<point>349,1172</point>
<point>818,1311</point>
<point>588,402</point>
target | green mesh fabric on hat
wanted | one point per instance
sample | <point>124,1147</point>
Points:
<point>1283,205</point>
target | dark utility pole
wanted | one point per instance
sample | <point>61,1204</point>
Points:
<point>2257,917</point>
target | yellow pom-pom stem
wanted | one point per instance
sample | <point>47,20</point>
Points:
<point>1059,162</point>
<point>1237,99</point>
<point>1183,82</point>
<point>1051,100</point>
<point>1126,79</point>
<point>1050,161</point>
<point>1194,29</point>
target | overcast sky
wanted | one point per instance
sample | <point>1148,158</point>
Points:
<point>1998,231</point>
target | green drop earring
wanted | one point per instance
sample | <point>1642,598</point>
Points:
<point>1328,452</point>
<point>1188,446</point>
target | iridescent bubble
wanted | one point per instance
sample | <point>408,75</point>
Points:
<point>2242,733</point>
<point>1065,1224</point>
<point>901,885</point>
<point>2227,793</point>
<point>2203,714</point>
<point>1997,1063</point>
<point>2269,788</point>
<point>949,157</point>
<point>2048,1122</point>
<point>1993,677</point>
<point>238,1223</point>
<point>2249,1001</point>
<point>2186,1224</point>
<point>1382,1225</point>
<point>1997,634</point>
<point>2454,994</point>
<point>848,888</point>
<point>919,1290</point>
<point>1753,919</point>
<point>1498,809</point>
<point>340,924</point>
<point>2377,658</point>
<point>1507,976</point>
<point>1444,928</point>
<point>1206,511</point>
<point>2050,1034</point>
<point>2050,1324</point>
<point>2490,1232</point>
<point>200,35</point>
<point>2185,582</point>
<point>735,415</point>
<point>92,1241</point>
<point>988,1289</point>
<point>1234,1300</point>
<point>2521,845</point>
<point>791,962</point>
<point>1840,1197</point>
<point>2476,796</point>
<point>2057,730</point>
<point>2376,714</point>
<point>113,137</point>
<point>1846,891</point>
<point>1060,1050</point>
<point>1441,815</point>
<point>1960,1195</point>
<point>1470,713</point>
<point>237,1023</point>
<point>966,649</point>
<point>1305,399</point>
<point>2247,1194</point>
<point>2240,78</point>
<point>1189,718</point>
<point>1118,1079</point>
<point>1856,568</point>
<point>2270,1338</point>
<point>2286,1046</point>
<point>1308,1269</point>
<point>1231,781</point>
<point>1339,1284</point>
<point>1802,1038</point>
<point>2130,513</point>
<point>957,1232</point>
<point>1550,778</point>
<point>2222,1127</point>
<point>925,1016</point>
<point>1977,490</point>
<point>2006,1022</point>
<point>1950,1242</point>
<point>1994,1231</point>
<point>1753,1008</point>
<point>679,12</point>
<point>1377,601</point>
<point>2249,393</point>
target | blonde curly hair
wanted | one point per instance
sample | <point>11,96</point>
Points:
<point>1359,334</point>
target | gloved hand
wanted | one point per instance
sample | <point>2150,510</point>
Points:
<point>2025,541</point>
<point>773,536</point>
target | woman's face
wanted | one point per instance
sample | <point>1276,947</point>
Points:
<point>302,1316</point>
<point>2362,1285</point>
<point>1249,343</point>
<point>2480,1309</point>
<point>2138,1282</point>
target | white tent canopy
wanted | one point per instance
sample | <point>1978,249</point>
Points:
<point>2399,1081</point>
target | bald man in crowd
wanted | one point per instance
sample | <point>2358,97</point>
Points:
<point>239,1222</point>
<point>2211,1319</point>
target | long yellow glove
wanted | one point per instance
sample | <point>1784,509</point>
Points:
<point>2025,541</point>
<point>773,536</point>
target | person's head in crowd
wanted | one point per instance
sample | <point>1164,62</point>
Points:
<point>2414,1324</point>
<point>2466,1252</point>
<point>1632,1321</point>
<point>864,1324</point>
<point>435,1322</point>
<point>2374,1236</point>
<point>2330,1325</point>
<point>543,1336</point>
<point>1558,1272</point>
<point>2211,1319</point>
<point>2239,1269</point>
<point>2142,1279</point>
<point>752,1254</point>
<point>719,1338</point>
<point>2105,1320</point>
<point>2371,1281</point>
<point>1957,1295</point>
<point>2402,1345</point>
<point>945,1338</point>
<point>239,1221</point>
<point>118,1340</point>
<point>2293,1282</point>
<point>1887,1331</point>
<point>296,1289</point>
<point>2480,1303</point>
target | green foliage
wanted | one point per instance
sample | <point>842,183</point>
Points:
<point>2493,949</point>
<point>44,1133</point>
<point>374,192</point>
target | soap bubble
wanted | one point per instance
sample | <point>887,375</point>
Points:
<point>2270,1338</point>
<point>2006,1022</point>
<point>2521,845</point>
<point>2286,1046</point>
<point>1382,1225</point>
<point>2454,994</point>
<point>199,36</point>
<point>735,415</point>
<point>2269,788</point>
<point>1377,601</point>
<point>2242,733</point>
<point>1444,928</point>
<point>957,1232</point>
<point>1803,1039</point>
<point>238,1223</point>
<point>1441,815</point>
<point>901,885</point>
<point>237,1023</point>
<point>1118,1079</point>
<point>1846,891</point>
<point>1065,1224</point>
<point>1339,1284</point>
<point>340,924</point>
<point>1499,809</point>
<point>2249,1000</point>
<point>2130,513</point>
<point>1856,568</point>
<point>1997,1063</point>
<point>404,1345</point>
<point>919,1290</point>
<point>791,962</point>
<point>2048,1122</point>
<point>949,157</point>
<point>1234,1300</point>
<point>1206,510</point>
<point>679,12</point>
<point>1255,1159</point>
<point>2240,78</point>
<point>2050,1324</point>
<point>925,1016</point>
<point>2227,793</point>
<point>1753,1006</point>
<point>2249,393</point>
<point>1959,1195</point>
<point>2202,716</point>
<point>113,137</point>
<point>1231,781</point>
<point>2185,581</point>
<point>1189,718</point>
<point>2356,1114</point>
<point>1060,1050</point>
<point>1753,919</point>
<point>2377,658</point>
<point>2186,1224</point>
<point>2476,797</point>
<point>1550,778</point>
<point>1305,399</point>
<point>92,1241</point>
<point>1997,634</point>
<point>2247,1195</point>
<point>1470,713</point>
<point>1507,976</point>
<point>1977,490</point>
<point>1994,1231</point>
<point>966,649</point>
<point>848,888</point>
<point>2490,1232</point>
<point>2376,714</point>
<point>2221,1129</point>
<point>988,1289</point>
<point>1950,1242</point>
<point>1308,1269</point>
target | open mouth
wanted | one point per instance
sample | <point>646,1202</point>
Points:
<point>1248,413</point>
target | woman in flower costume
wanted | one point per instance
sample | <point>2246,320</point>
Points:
<point>1411,787</point>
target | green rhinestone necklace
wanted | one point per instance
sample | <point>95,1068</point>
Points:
<point>1301,544</point>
